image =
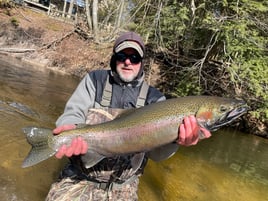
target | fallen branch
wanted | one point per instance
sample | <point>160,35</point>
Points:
<point>57,40</point>
<point>84,34</point>
<point>16,50</point>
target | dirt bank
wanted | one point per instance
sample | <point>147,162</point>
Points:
<point>51,43</point>
<point>37,38</point>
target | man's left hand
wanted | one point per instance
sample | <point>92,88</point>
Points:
<point>189,132</point>
<point>78,146</point>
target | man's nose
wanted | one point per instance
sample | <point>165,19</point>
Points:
<point>127,61</point>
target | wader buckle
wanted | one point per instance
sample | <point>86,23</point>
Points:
<point>105,186</point>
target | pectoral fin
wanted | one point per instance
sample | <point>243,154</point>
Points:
<point>163,152</point>
<point>91,158</point>
<point>136,161</point>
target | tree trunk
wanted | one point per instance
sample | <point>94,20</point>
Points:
<point>64,8</point>
<point>119,17</point>
<point>95,19</point>
<point>88,14</point>
<point>70,11</point>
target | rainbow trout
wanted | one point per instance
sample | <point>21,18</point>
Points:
<point>136,130</point>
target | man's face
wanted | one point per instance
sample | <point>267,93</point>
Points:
<point>128,64</point>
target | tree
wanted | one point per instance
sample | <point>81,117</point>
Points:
<point>211,47</point>
<point>120,14</point>
<point>64,8</point>
<point>70,10</point>
<point>88,14</point>
<point>105,19</point>
<point>95,19</point>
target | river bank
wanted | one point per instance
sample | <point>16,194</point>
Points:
<point>36,38</point>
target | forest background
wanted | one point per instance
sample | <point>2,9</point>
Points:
<point>210,47</point>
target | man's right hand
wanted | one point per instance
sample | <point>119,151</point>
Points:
<point>78,145</point>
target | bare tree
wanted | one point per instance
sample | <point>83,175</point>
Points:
<point>70,11</point>
<point>64,8</point>
<point>88,14</point>
<point>95,19</point>
<point>119,17</point>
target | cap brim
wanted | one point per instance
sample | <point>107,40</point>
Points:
<point>129,44</point>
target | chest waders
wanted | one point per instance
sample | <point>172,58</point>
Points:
<point>112,172</point>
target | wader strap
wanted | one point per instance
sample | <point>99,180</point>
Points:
<point>142,96</point>
<point>107,94</point>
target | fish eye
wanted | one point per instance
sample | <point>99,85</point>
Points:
<point>223,108</point>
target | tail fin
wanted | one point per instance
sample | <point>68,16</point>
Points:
<point>38,138</point>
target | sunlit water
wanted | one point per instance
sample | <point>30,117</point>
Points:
<point>228,166</point>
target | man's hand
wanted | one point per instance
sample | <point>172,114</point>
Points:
<point>78,145</point>
<point>190,131</point>
<point>62,128</point>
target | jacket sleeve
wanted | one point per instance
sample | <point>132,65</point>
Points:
<point>77,106</point>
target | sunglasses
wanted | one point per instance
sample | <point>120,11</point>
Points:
<point>134,58</point>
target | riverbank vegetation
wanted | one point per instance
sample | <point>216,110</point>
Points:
<point>193,47</point>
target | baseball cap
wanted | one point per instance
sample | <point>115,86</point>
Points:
<point>129,40</point>
<point>129,44</point>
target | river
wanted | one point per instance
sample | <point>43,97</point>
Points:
<point>229,166</point>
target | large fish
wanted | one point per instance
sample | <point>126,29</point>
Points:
<point>136,130</point>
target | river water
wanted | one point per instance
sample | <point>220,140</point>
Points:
<point>228,166</point>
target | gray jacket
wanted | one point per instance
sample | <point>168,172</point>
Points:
<point>89,93</point>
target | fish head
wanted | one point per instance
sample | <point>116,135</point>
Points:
<point>217,112</point>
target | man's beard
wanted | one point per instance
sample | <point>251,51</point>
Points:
<point>126,79</point>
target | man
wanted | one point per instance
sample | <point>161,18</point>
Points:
<point>123,86</point>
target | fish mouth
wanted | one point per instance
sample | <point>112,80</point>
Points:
<point>229,117</point>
